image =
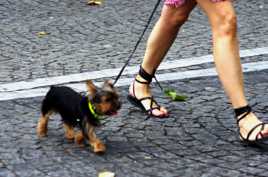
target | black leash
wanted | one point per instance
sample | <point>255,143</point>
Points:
<point>137,44</point>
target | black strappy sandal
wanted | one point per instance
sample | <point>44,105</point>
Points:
<point>138,102</point>
<point>261,140</point>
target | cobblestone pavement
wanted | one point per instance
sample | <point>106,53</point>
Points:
<point>199,139</point>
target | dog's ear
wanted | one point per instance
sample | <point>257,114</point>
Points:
<point>108,85</point>
<point>91,88</point>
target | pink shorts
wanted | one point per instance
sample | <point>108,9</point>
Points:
<point>178,3</point>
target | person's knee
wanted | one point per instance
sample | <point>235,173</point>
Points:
<point>178,20</point>
<point>225,24</point>
<point>174,20</point>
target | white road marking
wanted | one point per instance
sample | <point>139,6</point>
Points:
<point>107,73</point>
<point>248,67</point>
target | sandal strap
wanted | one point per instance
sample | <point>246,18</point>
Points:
<point>242,110</point>
<point>145,75</point>
<point>145,98</point>
<point>151,104</point>
<point>141,82</point>
<point>252,130</point>
<point>150,110</point>
<point>148,79</point>
<point>260,132</point>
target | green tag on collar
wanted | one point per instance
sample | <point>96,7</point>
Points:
<point>91,108</point>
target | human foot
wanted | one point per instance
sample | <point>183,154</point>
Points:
<point>140,92</point>
<point>252,130</point>
<point>248,123</point>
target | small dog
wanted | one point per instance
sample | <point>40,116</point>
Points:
<point>81,111</point>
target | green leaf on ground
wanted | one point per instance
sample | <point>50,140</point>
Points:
<point>174,96</point>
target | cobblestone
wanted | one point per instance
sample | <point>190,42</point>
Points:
<point>201,142</point>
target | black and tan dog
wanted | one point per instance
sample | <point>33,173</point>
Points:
<point>81,111</point>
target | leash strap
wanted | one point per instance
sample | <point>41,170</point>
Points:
<point>138,42</point>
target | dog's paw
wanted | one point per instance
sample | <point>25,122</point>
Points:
<point>99,148</point>
<point>41,134</point>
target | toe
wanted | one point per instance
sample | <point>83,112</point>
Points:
<point>164,110</point>
<point>161,113</point>
<point>264,132</point>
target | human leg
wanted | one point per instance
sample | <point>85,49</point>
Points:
<point>159,42</point>
<point>222,18</point>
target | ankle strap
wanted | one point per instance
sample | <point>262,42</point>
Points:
<point>242,110</point>
<point>145,75</point>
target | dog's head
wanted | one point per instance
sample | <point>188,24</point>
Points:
<point>105,99</point>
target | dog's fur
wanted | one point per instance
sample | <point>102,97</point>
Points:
<point>74,110</point>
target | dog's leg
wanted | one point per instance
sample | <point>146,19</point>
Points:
<point>79,138</point>
<point>42,125</point>
<point>97,145</point>
<point>69,131</point>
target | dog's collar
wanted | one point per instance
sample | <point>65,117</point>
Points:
<point>93,112</point>
<point>92,109</point>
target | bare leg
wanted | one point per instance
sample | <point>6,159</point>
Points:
<point>159,42</point>
<point>226,55</point>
